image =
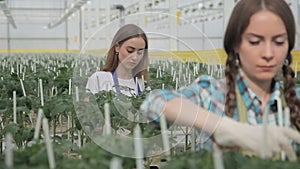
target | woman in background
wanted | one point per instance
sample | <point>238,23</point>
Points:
<point>126,66</point>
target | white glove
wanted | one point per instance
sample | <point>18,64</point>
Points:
<point>250,137</point>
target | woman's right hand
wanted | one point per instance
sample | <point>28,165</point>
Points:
<point>250,137</point>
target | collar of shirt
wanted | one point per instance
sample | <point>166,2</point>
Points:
<point>253,102</point>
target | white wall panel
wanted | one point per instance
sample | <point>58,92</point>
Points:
<point>37,31</point>
<point>190,44</point>
<point>3,44</point>
<point>34,36</point>
<point>50,44</point>
<point>159,45</point>
<point>73,33</point>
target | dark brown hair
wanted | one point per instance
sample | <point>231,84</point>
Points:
<point>125,33</point>
<point>237,24</point>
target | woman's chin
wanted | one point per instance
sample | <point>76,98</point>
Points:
<point>131,66</point>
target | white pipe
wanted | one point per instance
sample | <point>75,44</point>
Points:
<point>163,128</point>
<point>107,119</point>
<point>38,124</point>
<point>14,107</point>
<point>264,133</point>
<point>218,157</point>
<point>23,89</point>
<point>9,150</point>
<point>49,147</point>
<point>70,86</point>
<point>115,163</point>
<point>41,92</point>
<point>138,147</point>
<point>76,94</point>
<point>280,119</point>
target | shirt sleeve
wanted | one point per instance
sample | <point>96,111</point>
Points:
<point>92,84</point>
<point>197,92</point>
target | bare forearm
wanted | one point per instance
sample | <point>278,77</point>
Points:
<point>184,112</point>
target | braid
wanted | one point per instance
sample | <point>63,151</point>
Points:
<point>230,74</point>
<point>290,95</point>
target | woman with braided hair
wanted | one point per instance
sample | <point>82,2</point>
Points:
<point>258,41</point>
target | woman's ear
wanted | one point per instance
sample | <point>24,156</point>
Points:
<point>236,49</point>
<point>117,48</point>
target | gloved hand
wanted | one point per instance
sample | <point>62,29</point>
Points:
<point>250,137</point>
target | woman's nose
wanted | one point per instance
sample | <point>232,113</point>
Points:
<point>134,56</point>
<point>268,51</point>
